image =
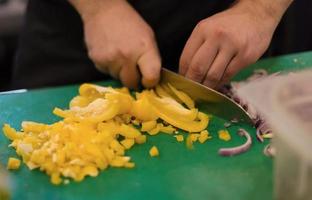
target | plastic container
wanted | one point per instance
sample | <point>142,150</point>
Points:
<point>4,185</point>
<point>286,104</point>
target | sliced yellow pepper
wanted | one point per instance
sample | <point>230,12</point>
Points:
<point>97,129</point>
<point>141,109</point>
<point>170,107</point>
<point>10,132</point>
<point>186,99</point>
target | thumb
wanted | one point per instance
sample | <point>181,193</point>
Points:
<point>150,64</point>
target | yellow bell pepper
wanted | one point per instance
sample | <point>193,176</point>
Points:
<point>170,107</point>
<point>97,130</point>
<point>141,109</point>
<point>10,132</point>
<point>204,135</point>
<point>179,138</point>
<point>224,135</point>
<point>186,99</point>
<point>13,163</point>
<point>148,125</point>
<point>161,92</point>
<point>154,151</point>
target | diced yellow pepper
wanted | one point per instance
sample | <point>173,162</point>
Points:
<point>154,151</point>
<point>194,136</point>
<point>179,138</point>
<point>13,163</point>
<point>129,165</point>
<point>90,171</point>
<point>189,142</point>
<point>56,179</point>
<point>224,135</point>
<point>204,135</point>
<point>155,130</point>
<point>167,129</point>
<point>28,126</point>
<point>140,139</point>
<point>129,131</point>
<point>87,139</point>
<point>127,143</point>
<point>148,125</point>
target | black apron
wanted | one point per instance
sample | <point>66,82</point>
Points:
<point>52,51</point>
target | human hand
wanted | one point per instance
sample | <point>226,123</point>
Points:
<point>223,44</point>
<point>121,43</point>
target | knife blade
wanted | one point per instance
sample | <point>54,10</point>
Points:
<point>214,102</point>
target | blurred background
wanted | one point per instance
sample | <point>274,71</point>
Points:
<point>294,33</point>
<point>11,19</point>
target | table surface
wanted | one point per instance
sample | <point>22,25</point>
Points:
<point>178,173</point>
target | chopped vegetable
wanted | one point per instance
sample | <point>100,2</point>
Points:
<point>140,139</point>
<point>224,135</point>
<point>186,99</point>
<point>13,163</point>
<point>189,142</point>
<point>240,149</point>
<point>204,135</point>
<point>98,129</point>
<point>149,125</point>
<point>167,129</point>
<point>127,143</point>
<point>179,138</point>
<point>194,137</point>
<point>154,151</point>
<point>155,130</point>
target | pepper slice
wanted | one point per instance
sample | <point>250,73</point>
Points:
<point>186,99</point>
<point>97,111</point>
<point>170,107</point>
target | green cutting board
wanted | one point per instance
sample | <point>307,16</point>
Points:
<point>178,173</point>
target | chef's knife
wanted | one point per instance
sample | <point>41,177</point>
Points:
<point>215,102</point>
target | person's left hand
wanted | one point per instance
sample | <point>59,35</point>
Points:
<point>225,43</point>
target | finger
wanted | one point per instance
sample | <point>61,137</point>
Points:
<point>130,76</point>
<point>192,45</point>
<point>149,64</point>
<point>232,69</point>
<point>217,69</point>
<point>201,61</point>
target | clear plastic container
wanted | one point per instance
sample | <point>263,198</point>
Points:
<point>4,184</point>
<point>286,104</point>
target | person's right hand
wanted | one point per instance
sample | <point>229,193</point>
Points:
<point>120,42</point>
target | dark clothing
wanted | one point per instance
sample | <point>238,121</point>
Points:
<point>52,50</point>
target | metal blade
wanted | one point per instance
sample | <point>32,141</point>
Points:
<point>215,102</point>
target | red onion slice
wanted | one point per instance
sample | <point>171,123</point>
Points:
<point>269,151</point>
<point>239,149</point>
<point>259,135</point>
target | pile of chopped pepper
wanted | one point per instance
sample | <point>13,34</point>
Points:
<point>101,124</point>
